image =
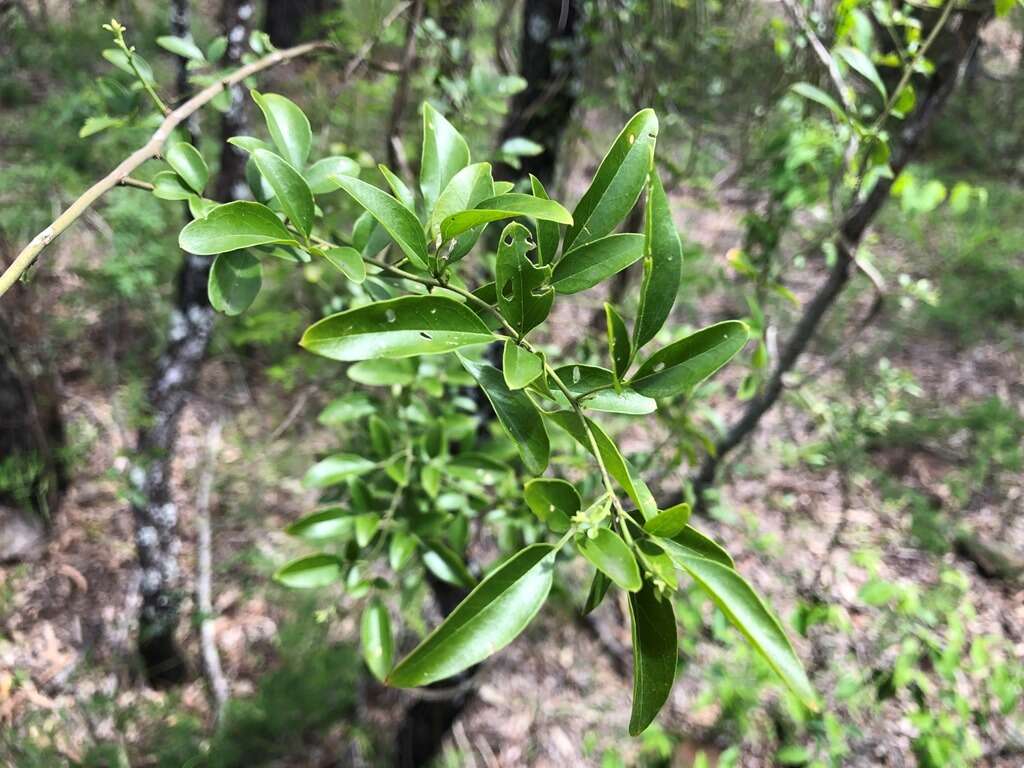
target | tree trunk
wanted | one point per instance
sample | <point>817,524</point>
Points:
<point>288,21</point>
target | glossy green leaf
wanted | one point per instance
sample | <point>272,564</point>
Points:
<point>332,523</point>
<point>375,633</point>
<point>336,469</point>
<point>589,264</point>
<point>249,144</point>
<point>188,164</point>
<point>607,552</point>
<point>693,542</point>
<point>399,188</point>
<point>519,366</point>
<point>548,233</point>
<point>655,562</point>
<point>670,522</point>
<point>403,327</point>
<point>663,265</point>
<point>655,653</point>
<point>745,610</point>
<point>815,94</point>
<point>617,184</point>
<point>595,388</point>
<point>291,189</point>
<point>288,126</point>
<point>233,226</point>
<point>401,549</point>
<point>523,298</point>
<point>383,373</point>
<point>682,365</point>
<point>553,501</point>
<point>181,46</point>
<point>619,347</point>
<point>348,261</point>
<point>505,206</point>
<point>168,185</point>
<point>862,64</point>
<point>446,565</point>
<point>365,526</point>
<point>200,207</point>
<point>445,153</point>
<point>310,572</point>
<point>320,175</point>
<point>397,220</point>
<point>235,279</point>
<point>468,187</point>
<point>491,617</point>
<point>517,414</point>
<point>347,408</point>
<point>598,589</point>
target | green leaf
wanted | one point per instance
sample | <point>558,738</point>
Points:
<point>860,62</point>
<point>598,589</point>
<point>693,542</point>
<point>617,184</point>
<point>235,279</point>
<point>399,189</point>
<point>589,264</point>
<point>119,59</point>
<point>583,379</point>
<point>485,622</point>
<point>336,469</point>
<point>519,366</point>
<point>468,187</point>
<point>200,208</point>
<point>310,572</point>
<point>232,226</point>
<point>812,93</point>
<point>342,410</point>
<point>403,327</point>
<point>548,233</point>
<point>669,523</point>
<point>348,261</point>
<point>401,549</point>
<point>663,264</point>
<point>249,144</point>
<point>654,655</point>
<point>682,365</point>
<point>523,298</point>
<point>288,126</point>
<point>517,414</point>
<point>319,176</point>
<point>505,206</point>
<point>290,188</point>
<point>96,123</point>
<point>445,153</point>
<point>397,220</point>
<point>383,373</point>
<point>332,523</point>
<point>607,552</point>
<point>189,164</point>
<point>744,609</point>
<point>446,565</point>
<point>181,46</point>
<point>377,644</point>
<point>169,186</point>
<point>657,564</point>
<point>619,348</point>
<point>553,501</point>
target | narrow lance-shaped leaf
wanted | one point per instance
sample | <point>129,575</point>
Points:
<point>377,643</point>
<point>617,183</point>
<point>682,365</point>
<point>235,280</point>
<point>397,220</point>
<point>654,655</point>
<point>589,264</point>
<point>290,188</point>
<point>690,541</point>
<point>607,552</point>
<point>445,152</point>
<point>619,348</point>
<point>319,176</point>
<point>336,469</point>
<point>523,298</point>
<point>399,188</point>
<point>547,231</point>
<point>663,264</point>
<point>505,206</point>
<point>395,328</point>
<point>288,126</point>
<point>468,187</point>
<point>310,572</point>
<point>598,589</point>
<point>493,614</point>
<point>331,523</point>
<point>233,226</point>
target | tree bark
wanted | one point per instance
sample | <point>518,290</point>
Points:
<point>289,21</point>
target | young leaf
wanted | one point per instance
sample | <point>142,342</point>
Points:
<point>399,221</point>
<point>235,279</point>
<point>446,565</point>
<point>310,572</point>
<point>617,183</point>
<point>589,264</point>
<point>654,655</point>
<point>319,176</point>
<point>598,589</point>
<point>181,46</point>
<point>336,469</point>
<point>288,126</point>
<point>547,231</point>
<point>485,622</point>
<point>232,226</point>
<point>517,414</point>
<point>670,522</point>
<point>505,206</point>
<point>519,366</point>
<point>330,523</point>
<point>523,298</point>
<point>402,193</point>
<point>348,261</point>
<point>403,327</point>
<point>663,264</point>
<point>290,188</point>
<point>682,365</point>
<point>619,349</point>
<point>553,501</point>
<point>607,552</point>
<point>188,164</point>
<point>741,605</point>
<point>445,152</point>
<point>377,644</point>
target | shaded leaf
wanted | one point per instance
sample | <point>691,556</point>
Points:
<point>320,175</point>
<point>290,188</point>
<point>310,572</point>
<point>587,265</point>
<point>348,261</point>
<point>523,298</point>
<point>397,220</point>
<point>288,126</point>
<point>377,643</point>
<point>654,655</point>
<point>519,366</point>
<point>553,501</point>
<point>682,365</point>
<point>188,164</point>
<point>233,226</point>
<point>607,552</point>
<point>235,279</point>
<point>663,264</point>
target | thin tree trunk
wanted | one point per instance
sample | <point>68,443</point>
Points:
<point>286,21</point>
<point>393,137</point>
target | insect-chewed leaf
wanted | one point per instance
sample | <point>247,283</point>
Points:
<point>288,126</point>
<point>553,501</point>
<point>663,264</point>
<point>607,552</point>
<point>491,617</point>
<point>290,188</point>
<point>671,522</point>
<point>596,389</point>
<point>336,469</point>
<point>397,220</point>
<point>617,183</point>
<point>523,298</point>
<point>445,153</point>
<point>188,164</point>
<point>375,634</point>
<point>310,572</point>
<point>586,266</point>
<point>654,655</point>
<point>506,206</point>
<point>233,226</point>
<point>235,280</point>
<point>741,605</point>
<point>320,175</point>
<point>517,414</point>
<point>682,365</point>
<point>519,366</point>
<point>395,328</point>
<point>547,231</point>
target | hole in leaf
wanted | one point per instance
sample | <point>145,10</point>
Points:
<point>659,367</point>
<point>389,315</point>
<point>576,375</point>
<point>426,336</point>
<point>508,291</point>
<point>508,241</point>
